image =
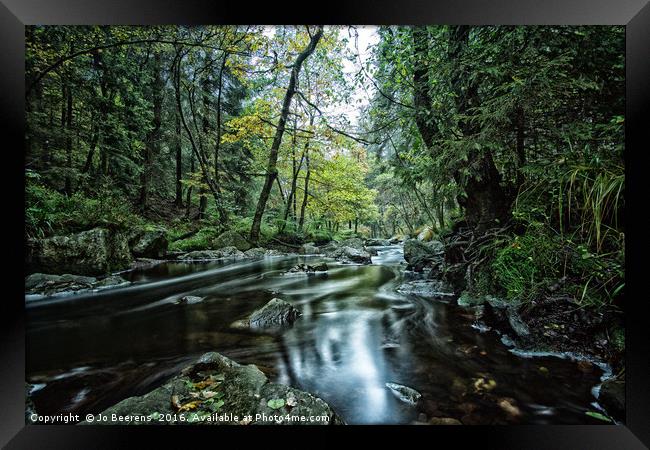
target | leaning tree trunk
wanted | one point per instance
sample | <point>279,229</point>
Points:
<point>272,170</point>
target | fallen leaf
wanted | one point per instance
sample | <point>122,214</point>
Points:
<point>190,406</point>
<point>481,384</point>
<point>208,394</point>
<point>507,405</point>
<point>599,416</point>
<point>275,403</point>
<point>176,404</point>
<point>204,384</point>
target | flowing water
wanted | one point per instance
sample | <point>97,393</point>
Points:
<point>88,351</point>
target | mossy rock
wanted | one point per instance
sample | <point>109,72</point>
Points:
<point>231,239</point>
<point>216,385</point>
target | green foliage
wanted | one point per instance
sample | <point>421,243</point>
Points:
<point>617,338</point>
<point>242,225</point>
<point>49,212</point>
<point>527,264</point>
<point>319,236</point>
<point>200,241</point>
<point>275,403</point>
<point>599,416</point>
<point>540,261</point>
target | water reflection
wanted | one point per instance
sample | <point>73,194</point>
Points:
<point>356,333</point>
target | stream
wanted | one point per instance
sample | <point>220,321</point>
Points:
<point>86,352</point>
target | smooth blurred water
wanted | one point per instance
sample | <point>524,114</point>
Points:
<point>356,333</point>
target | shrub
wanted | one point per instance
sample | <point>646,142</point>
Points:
<point>49,212</point>
<point>527,264</point>
<point>200,241</point>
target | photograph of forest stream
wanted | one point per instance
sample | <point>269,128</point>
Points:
<point>324,225</point>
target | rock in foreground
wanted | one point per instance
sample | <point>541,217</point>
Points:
<point>217,391</point>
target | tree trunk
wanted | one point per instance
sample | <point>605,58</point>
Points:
<point>68,140</point>
<point>153,137</point>
<point>203,203</point>
<point>188,200</point>
<point>222,211</point>
<point>484,200</point>
<point>303,206</point>
<point>291,201</point>
<point>197,147</point>
<point>179,161</point>
<point>272,170</point>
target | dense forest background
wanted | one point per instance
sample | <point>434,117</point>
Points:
<point>506,142</point>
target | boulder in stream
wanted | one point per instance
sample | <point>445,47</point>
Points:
<point>257,252</point>
<point>404,393</point>
<point>49,284</point>
<point>218,391</point>
<point>209,255</point>
<point>308,269</point>
<point>354,242</point>
<point>426,288</point>
<point>275,313</point>
<point>421,254</point>
<point>350,255</point>
<point>377,243</point>
<point>189,300</point>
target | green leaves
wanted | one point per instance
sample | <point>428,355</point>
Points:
<point>275,403</point>
<point>599,416</point>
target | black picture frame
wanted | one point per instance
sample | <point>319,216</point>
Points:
<point>634,14</point>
